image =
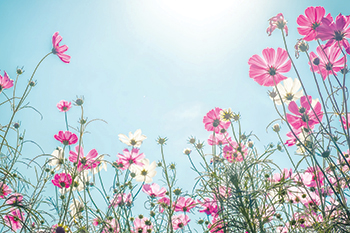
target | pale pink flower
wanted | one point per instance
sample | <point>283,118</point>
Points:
<point>179,221</point>
<point>336,31</point>
<point>313,177</point>
<point>304,115</point>
<point>235,152</point>
<point>154,190</point>
<point>62,180</point>
<point>285,174</point>
<point>184,204</point>
<point>84,162</point>
<point>328,63</point>
<point>14,219</point>
<point>277,22</point>
<point>343,121</point>
<point>140,225</point>
<point>5,82</point>
<point>311,21</point>
<point>111,226</point>
<point>4,190</point>
<point>64,106</point>
<point>66,138</point>
<point>14,198</point>
<point>212,121</point>
<point>267,71</point>
<point>129,158</point>
<point>59,50</point>
<point>219,139</point>
<point>121,199</point>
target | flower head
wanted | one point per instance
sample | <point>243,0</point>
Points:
<point>179,221</point>
<point>142,225</point>
<point>219,139</point>
<point>66,138</point>
<point>64,106</point>
<point>57,159</point>
<point>59,50</point>
<point>268,71</point>
<point>129,158</point>
<point>154,190</point>
<point>14,219</point>
<point>121,199</point>
<point>4,190</point>
<point>277,22</point>
<point>5,82</point>
<point>76,207</point>
<point>62,180</point>
<point>327,61</point>
<point>184,204</point>
<point>213,122</point>
<point>289,91</point>
<point>134,140</point>
<point>84,162</point>
<point>311,21</point>
<point>235,152</point>
<point>14,199</point>
<point>144,173</point>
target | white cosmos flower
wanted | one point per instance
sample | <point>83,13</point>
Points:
<point>80,181</point>
<point>57,158</point>
<point>144,173</point>
<point>133,139</point>
<point>76,207</point>
<point>289,91</point>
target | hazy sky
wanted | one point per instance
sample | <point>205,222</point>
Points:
<point>156,65</point>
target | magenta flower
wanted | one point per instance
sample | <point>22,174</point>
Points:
<point>59,50</point>
<point>163,203</point>
<point>184,204</point>
<point>62,180</point>
<point>209,206</point>
<point>235,152</point>
<point>14,198</point>
<point>212,121</point>
<point>140,225</point>
<point>66,138</point>
<point>304,115</point>
<point>121,199</point>
<point>345,123</point>
<point>5,82</point>
<point>14,219</point>
<point>4,190</point>
<point>179,221</point>
<point>154,190</point>
<point>311,21</point>
<point>128,158</point>
<point>216,226</point>
<point>336,31</point>
<point>64,106</point>
<point>219,139</point>
<point>328,63</point>
<point>267,71</point>
<point>84,162</point>
<point>277,22</point>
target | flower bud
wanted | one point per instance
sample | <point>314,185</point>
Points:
<point>276,128</point>
<point>316,61</point>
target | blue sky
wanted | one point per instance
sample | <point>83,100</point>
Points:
<point>155,65</point>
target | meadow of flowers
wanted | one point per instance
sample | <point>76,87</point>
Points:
<point>238,188</point>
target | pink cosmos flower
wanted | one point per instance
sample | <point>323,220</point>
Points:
<point>209,206</point>
<point>153,190</point>
<point>59,50</point>
<point>184,204</point>
<point>66,138</point>
<point>235,152</point>
<point>5,82</point>
<point>277,177</point>
<point>96,221</point>
<point>328,63</point>
<point>62,180</point>
<point>121,199</point>
<point>14,198</point>
<point>292,139</point>
<point>265,71</point>
<point>163,203</point>
<point>84,162</point>
<point>179,221</point>
<point>219,139</point>
<point>14,219</point>
<point>111,226</point>
<point>304,115</point>
<point>4,190</point>
<point>213,122</point>
<point>64,106</point>
<point>128,158</point>
<point>311,21</point>
<point>343,121</point>
<point>216,226</point>
<point>313,177</point>
<point>277,22</point>
<point>140,225</point>
<point>336,31</point>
